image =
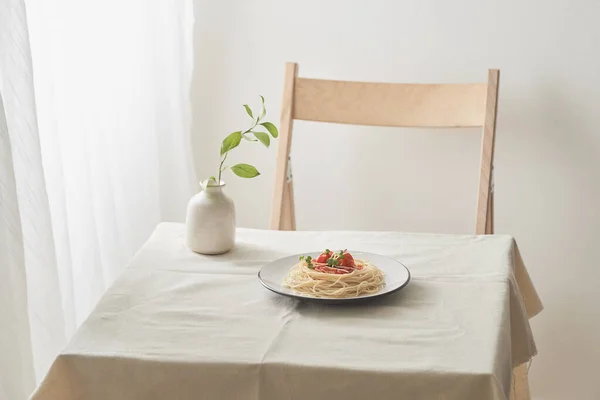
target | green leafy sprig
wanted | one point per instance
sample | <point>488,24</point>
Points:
<point>308,260</point>
<point>251,134</point>
<point>333,262</point>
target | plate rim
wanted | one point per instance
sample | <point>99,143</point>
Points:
<point>335,300</point>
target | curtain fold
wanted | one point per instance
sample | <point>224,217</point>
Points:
<point>17,377</point>
<point>95,152</point>
<point>27,217</point>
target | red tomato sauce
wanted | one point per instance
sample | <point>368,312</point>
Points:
<point>340,262</point>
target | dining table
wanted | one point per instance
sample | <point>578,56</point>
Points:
<point>180,325</point>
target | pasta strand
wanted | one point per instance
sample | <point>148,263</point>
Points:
<point>367,280</point>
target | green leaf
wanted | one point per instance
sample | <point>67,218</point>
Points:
<point>231,142</point>
<point>308,260</point>
<point>271,128</point>
<point>248,110</point>
<point>264,138</point>
<point>332,262</point>
<point>245,171</point>
<point>263,110</point>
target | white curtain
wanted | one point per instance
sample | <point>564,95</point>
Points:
<point>92,157</point>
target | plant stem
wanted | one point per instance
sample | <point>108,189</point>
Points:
<point>253,126</point>
<point>225,156</point>
<point>221,168</point>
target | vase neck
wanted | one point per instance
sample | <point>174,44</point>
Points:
<point>214,190</point>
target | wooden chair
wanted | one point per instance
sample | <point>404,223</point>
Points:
<point>386,104</point>
<point>398,105</point>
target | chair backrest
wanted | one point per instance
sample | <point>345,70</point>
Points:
<point>386,104</point>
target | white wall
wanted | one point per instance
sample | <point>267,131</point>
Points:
<point>548,145</point>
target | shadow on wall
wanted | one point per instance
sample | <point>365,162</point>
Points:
<point>542,130</point>
<point>547,157</point>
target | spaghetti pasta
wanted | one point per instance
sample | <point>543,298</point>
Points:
<point>335,275</point>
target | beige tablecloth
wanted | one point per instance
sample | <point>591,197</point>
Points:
<point>178,325</point>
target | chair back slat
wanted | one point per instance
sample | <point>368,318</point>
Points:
<point>390,104</point>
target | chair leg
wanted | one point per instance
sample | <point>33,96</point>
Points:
<point>489,225</point>
<point>520,383</point>
<point>288,217</point>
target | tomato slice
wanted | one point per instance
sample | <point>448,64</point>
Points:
<point>344,263</point>
<point>347,260</point>
<point>323,257</point>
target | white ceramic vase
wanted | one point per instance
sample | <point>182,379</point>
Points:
<point>210,221</point>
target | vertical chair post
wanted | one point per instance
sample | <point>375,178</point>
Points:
<point>485,203</point>
<point>489,226</point>
<point>282,209</point>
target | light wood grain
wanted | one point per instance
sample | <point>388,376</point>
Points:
<point>520,383</point>
<point>280,209</point>
<point>487,153</point>
<point>489,223</point>
<point>288,218</point>
<point>390,104</point>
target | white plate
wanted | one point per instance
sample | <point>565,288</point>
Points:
<point>273,274</point>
